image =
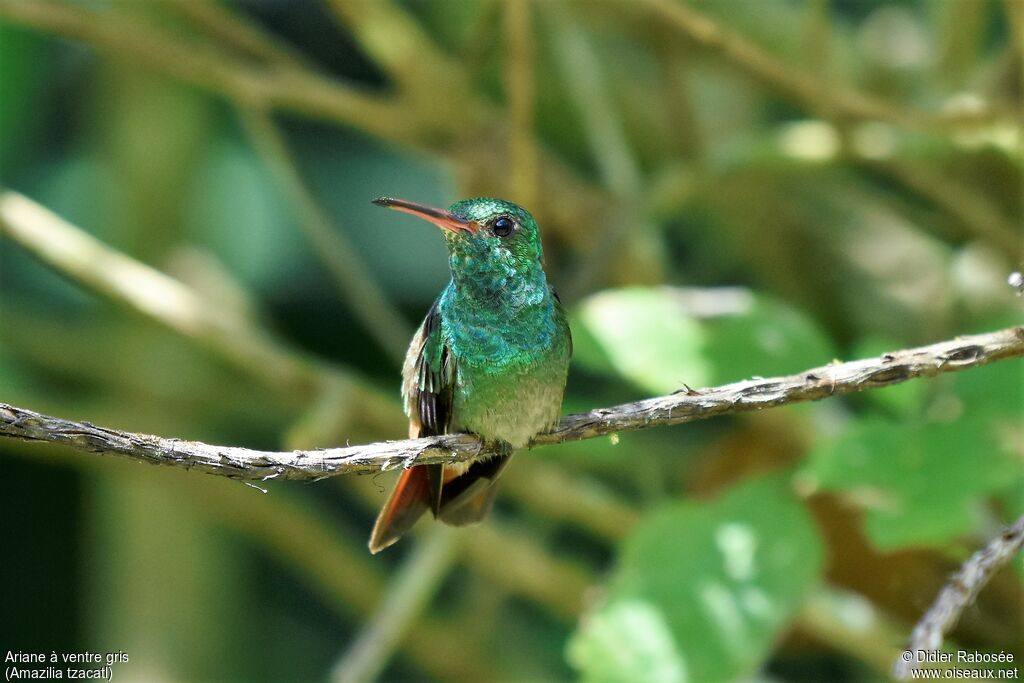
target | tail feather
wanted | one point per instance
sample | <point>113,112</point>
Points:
<point>406,504</point>
<point>467,499</point>
<point>470,509</point>
<point>456,495</point>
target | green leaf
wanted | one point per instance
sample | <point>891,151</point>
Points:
<point>918,483</point>
<point>995,390</point>
<point>645,337</point>
<point>924,482</point>
<point>659,339</point>
<point>702,590</point>
<point>769,338</point>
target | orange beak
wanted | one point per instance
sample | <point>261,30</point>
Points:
<point>439,217</point>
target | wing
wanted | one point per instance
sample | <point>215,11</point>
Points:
<point>428,379</point>
<point>563,319</point>
<point>457,494</point>
<point>427,388</point>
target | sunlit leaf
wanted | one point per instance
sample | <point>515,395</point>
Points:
<point>661,338</point>
<point>646,337</point>
<point>702,590</point>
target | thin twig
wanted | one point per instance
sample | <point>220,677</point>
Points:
<point>355,283</point>
<point>411,588</point>
<point>613,155</point>
<point>212,69</point>
<point>684,406</point>
<point>959,593</point>
<point>230,29</point>
<point>801,86</point>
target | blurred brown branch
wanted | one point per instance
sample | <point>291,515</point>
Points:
<point>210,68</point>
<point>229,334</point>
<point>684,406</point>
<point>356,284</point>
<point>958,594</point>
<point>84,259</point>
<point>411,588</point>
<point>228,28</point>
<point>316,546</point>
<point>978,214</point>
<point>412,115</point>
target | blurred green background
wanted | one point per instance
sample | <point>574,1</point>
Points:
<point>727,189</point>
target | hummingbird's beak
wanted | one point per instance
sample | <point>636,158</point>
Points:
<point>439,217</point>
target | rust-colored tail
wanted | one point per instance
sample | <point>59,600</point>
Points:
<point>408,501</point>
<point>457,495</point>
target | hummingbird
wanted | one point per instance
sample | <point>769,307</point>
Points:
<point>490,358</point>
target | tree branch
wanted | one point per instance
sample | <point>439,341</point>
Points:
<point>686,405</point>
<point>957,595</point>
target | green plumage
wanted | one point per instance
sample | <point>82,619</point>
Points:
<point>491,358</point>
<point>504,329</point>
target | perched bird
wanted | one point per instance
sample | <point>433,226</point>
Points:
<point>491,358</point>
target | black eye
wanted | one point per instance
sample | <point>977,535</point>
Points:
<point>503,227</point>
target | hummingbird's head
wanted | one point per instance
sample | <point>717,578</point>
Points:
<point>504,232</point>
<point>488,239</point>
